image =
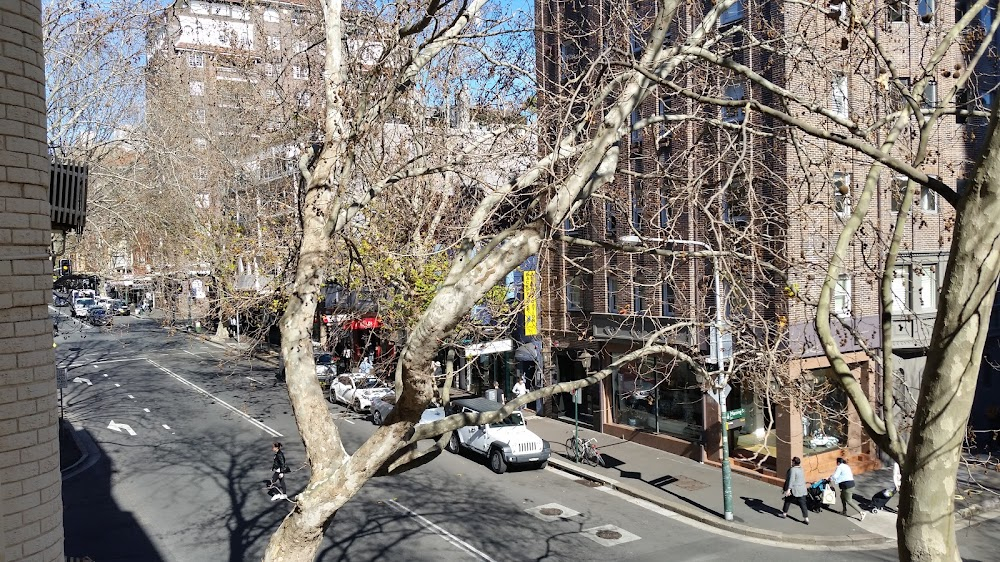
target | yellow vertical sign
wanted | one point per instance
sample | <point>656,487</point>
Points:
<point>530,304</point>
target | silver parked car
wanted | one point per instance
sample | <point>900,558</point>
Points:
<point>382,406</point>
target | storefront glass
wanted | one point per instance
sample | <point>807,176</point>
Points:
<point>824,420</point>
<point>659,396</point>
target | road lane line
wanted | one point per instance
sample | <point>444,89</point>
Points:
<point>145,410</point>
<point>440,531</point>
<point>165,426</point>
<point>225,404</point>
<point>132,397</point>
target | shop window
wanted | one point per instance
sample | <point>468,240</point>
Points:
<point>824,419</point>
<point>659,397</point>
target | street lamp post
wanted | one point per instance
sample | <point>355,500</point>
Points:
<point>585,361</point>
<point>719,382</point>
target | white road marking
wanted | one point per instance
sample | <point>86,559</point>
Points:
<point>255,380</point>
<point>165,426</point>
<point>437,529</point>
<point>117,385</point>
<point>225,404</point>
<point>81,379</point>
<point>132,397</point>
<point>145,410</point>
<point>120,426</point>
<point>105,374</point>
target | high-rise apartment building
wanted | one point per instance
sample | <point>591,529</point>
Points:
<point>760,205</point>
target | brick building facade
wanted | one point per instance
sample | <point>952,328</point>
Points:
<point>30,483</point>
<point>772,193</point>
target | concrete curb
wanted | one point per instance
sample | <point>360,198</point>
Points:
<point>860,539</point>
<point>89,453</point>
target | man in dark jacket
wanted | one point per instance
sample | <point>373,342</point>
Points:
<point>278,470</point>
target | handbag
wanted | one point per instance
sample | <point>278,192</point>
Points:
<point>829,496</point>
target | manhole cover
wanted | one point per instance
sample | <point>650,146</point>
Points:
<point>588,483</point>
<point>609,535</point>
<point>550,511</point>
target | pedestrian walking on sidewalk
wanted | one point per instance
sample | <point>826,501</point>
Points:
<point>519,390</point>
<point>843,477</point>
<point>276,485</point>
<point>795,489</point>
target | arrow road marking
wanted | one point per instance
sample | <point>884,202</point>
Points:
<point>81,379</point>
<point>120,426</point>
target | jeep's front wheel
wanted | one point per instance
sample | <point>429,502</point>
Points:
<point>497,464</point>
<point>452,446</point>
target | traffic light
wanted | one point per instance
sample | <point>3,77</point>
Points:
<point>65,267</point>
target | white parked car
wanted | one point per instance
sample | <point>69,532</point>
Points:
<point>357,391</point>
<point>383,405</point>
<point>505,442</point>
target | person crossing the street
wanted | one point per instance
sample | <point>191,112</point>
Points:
<point>278,470</point>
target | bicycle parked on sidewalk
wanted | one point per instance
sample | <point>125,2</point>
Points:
<point>584,449</point>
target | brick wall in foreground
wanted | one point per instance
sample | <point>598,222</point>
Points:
<point>30,484</point>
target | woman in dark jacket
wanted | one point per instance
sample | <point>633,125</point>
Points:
<point>278,468</point>
<point>795,489</point>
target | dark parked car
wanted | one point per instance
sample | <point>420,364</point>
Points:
<point>99,316</point>
<point>118,308</point>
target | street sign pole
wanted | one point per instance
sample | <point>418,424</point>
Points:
<point>727,472</point>
<point>576,425</point>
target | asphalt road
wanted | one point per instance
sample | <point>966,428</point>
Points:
<point>187,485</point>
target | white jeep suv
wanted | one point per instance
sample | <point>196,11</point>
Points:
<point>505,442</point>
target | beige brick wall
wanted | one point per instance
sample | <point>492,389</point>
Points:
<point>30,482</point>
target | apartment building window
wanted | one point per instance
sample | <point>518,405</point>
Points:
<point>842,193</point>
<point>638,300</point>
<point>196,60</point>
<point>737,200</point>
<point>930,95</point>
<point>925,282</point>
<point>928,200</point>
<point>732,13</point>
<point>300,72</point>
<point>635,136</point>
<point>271,15</point>
<point>200,144</point>
<point>198,116</point>
<point>667,297</point>
<point>610,218</point>
<point>196,88</point>
<point>574,293</point>
<point>273,43</point>
<point>898,192</point>
<point>900,289</point>
<point>612,285</point>
<point>664,211</point>
<point>841,305</point>
<point>298,18</point>
<point>896,10</point>
<point>663,110</point>
<point>734,114</point>
<point>269,69</point>
<point>200,173</point>
<point>925,10</point>
<point>637,206</point>
<point>839,102</point>
<point>301,46</point>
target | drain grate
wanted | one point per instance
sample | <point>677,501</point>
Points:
<point>550,511</point>
<point>609,535</point>
<point>589,483</point>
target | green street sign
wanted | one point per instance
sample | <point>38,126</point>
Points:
<point>735,414</point>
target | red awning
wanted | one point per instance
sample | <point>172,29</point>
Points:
<point>363,324</point>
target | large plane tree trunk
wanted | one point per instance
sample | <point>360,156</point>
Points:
<point>926,523</point>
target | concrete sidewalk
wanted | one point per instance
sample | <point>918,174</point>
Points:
<point>694,490</point>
